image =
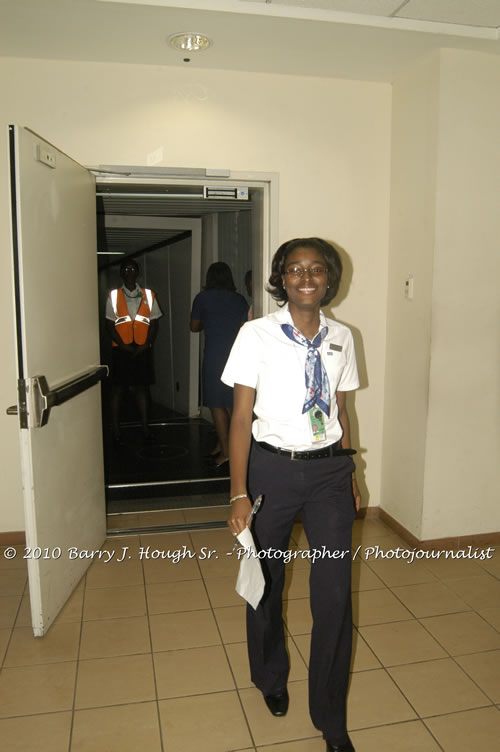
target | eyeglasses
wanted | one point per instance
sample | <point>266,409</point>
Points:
<point>299,271</point>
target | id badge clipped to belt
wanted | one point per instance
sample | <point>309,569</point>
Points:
<point>317,424</point>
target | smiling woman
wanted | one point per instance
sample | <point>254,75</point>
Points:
<point>311,261</point>
<point>296,455</point>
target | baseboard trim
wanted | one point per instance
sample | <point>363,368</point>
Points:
<point>14,538</point>
<point>18,538</point>
<point>460,541</point>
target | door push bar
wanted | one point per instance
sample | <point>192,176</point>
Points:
<point>41,399</point>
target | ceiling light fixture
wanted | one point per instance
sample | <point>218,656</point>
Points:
<point>188,41</point>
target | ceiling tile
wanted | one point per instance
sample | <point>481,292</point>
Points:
<point>370,7</point>
<point>466,12</point>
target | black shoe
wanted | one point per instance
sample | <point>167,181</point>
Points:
<point>278,703</point>
<point>346,747</point>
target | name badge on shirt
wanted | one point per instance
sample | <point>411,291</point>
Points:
<point>317,423</point>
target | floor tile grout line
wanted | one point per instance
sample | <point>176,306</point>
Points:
<point>443,715</point>
<point>34,715</point>
<point>18,610</point>
<point>483,691</point>
<point>41,665</point>
<point>391,621</point>
<point>419,715</point>
<point>77,671</point>
<point>182,697</point>
<point>401,723</point>
<point>241,642</point>
<point>456,712</point>
<point>230,666</point>
<point>466,610</point>
<point>427,560</point>
<point>385,668</point>
<point>448,652</point>
<point>487,622</point>
<point>446,582</point>
<point>155,679</point>
<point>449,655</point>
<point>471,609</point>
<point>123,704</point>
<point>369,648</point>
<point>390,588</point>
<point>374,569</point>
<point>454,658</point>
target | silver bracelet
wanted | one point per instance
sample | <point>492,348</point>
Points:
<point>238,496</point>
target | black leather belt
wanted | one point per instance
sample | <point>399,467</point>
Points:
<point>332,450</point>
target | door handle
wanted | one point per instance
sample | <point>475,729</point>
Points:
<point>12,410</point>
<point>43,398</point>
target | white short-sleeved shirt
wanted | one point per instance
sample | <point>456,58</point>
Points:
<point>133,299</point>
<point>264,358</point>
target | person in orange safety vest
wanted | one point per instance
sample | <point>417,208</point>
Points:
<point>132,314</point>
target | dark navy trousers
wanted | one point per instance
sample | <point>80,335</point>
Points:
<point>321,490</point>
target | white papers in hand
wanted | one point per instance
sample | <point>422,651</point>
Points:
<point>250,582</point>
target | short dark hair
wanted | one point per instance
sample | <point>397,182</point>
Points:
<point>219,277</point>
<point>128,262</point>
<point>330,256</point>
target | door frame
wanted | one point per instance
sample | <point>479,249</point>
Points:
<point>267,181</point>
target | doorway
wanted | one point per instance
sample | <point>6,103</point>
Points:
<point>174,231</point>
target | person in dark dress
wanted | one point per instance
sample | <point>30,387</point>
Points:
<point>219,311</point>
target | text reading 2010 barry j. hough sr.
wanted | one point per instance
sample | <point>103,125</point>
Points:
<point>110,554</point>
<point>176,555</point>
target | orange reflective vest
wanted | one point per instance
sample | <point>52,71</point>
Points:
<point>132,330</point>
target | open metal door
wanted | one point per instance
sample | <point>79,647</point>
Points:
<point>55,280</point>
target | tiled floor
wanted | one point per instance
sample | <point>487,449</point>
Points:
<point>150,655</point>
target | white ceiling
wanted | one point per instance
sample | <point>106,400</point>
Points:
<point>473,13</point>
<point>354,39</point>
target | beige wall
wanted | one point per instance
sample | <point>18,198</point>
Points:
<point>413,181</point>
<point>329,140</point>
<point>461,494</point>
<point>441,438</point>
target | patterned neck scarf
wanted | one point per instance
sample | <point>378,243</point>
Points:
<point>317,384</point>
